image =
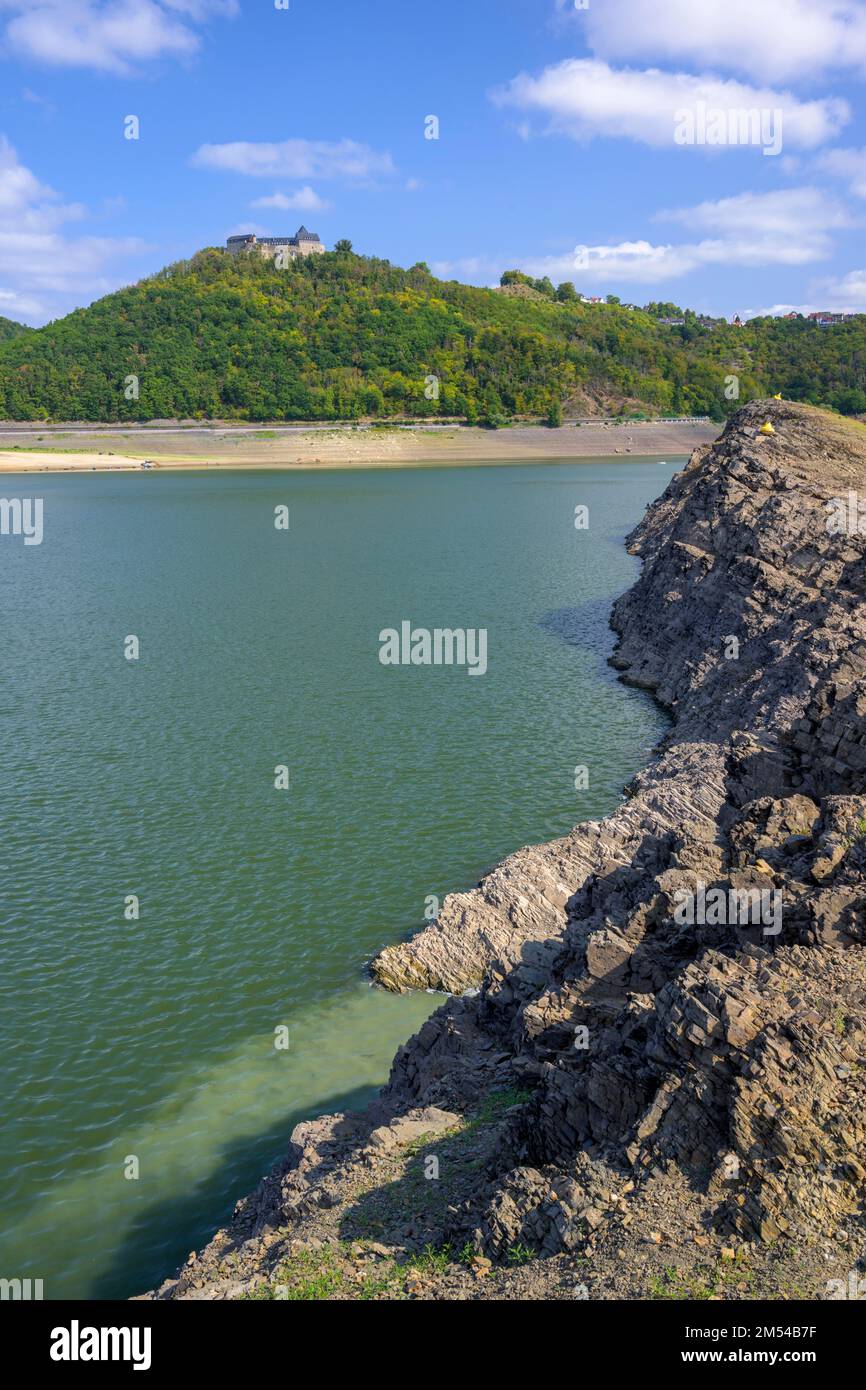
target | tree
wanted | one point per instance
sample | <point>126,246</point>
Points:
<point>850,401</point>
<point>515,277</point>
<point>554,416</point>
<point>566,293</point>
<point>663,309</point>
<point>343,247</point>
<point>347,335</point>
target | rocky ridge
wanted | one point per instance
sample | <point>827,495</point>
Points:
<point>663,1046</point>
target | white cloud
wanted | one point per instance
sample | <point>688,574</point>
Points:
<point>786,227</point>
<point>19,188</point>
<point>846,293</point>
<point>14,305</point>
<point>478,269</point>
<point>849,165</point>
<point>583,98</point>
<point>305,200</point>
<point>34,99</point>
<point>295,159</point>
<point>638,262</point>
<point>790,226</point>
<point>770,40</point>
<point>777,311</point>
<point>202,9</point>
<point>43,271</point>
<point>109,35</point>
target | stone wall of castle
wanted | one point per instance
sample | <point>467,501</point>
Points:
<point>271,247</point>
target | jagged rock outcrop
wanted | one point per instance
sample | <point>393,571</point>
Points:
<point>675,993</point>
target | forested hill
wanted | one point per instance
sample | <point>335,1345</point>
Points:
<point>342,336</point>
<point>10,329</point>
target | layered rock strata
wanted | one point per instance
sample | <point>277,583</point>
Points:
<point>675,993</point>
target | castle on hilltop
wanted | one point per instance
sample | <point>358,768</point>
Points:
<point>303,243</point>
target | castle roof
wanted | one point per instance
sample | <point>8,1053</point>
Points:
<point>251,238</point>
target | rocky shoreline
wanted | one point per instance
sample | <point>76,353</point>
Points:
<point>655,1085</point>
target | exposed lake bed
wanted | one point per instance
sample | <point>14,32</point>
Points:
<point>196,446</point>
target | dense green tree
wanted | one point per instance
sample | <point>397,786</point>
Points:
<point>544,286</point>
<point>663,310</point>
<point>515,277</point>
<point>10,329</point>
<point>342,336</point>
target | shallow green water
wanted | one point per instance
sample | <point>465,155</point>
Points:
<point>259,907</point>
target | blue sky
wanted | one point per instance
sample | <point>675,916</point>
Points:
<point>570,142</point>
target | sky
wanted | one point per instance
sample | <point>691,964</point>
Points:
<point>609,143</point>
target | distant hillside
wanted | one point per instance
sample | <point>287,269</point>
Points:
<point>10,329</point>
<point>341,336</point>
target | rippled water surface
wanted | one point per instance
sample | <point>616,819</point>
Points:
<point>259,907</point>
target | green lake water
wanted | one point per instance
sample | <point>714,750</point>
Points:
<point>259,906</point>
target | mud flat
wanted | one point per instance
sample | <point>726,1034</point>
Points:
<point>75,447</point>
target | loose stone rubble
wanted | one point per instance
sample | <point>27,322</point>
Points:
<point>626,1073</point>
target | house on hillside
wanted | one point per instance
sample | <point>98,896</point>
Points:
<point>825,318</point>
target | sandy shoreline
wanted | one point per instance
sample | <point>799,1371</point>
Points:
<point>104,450</point>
